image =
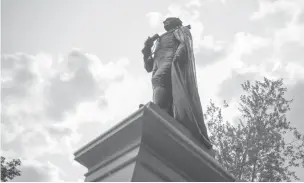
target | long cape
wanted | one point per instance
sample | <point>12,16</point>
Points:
<point>187,108</point>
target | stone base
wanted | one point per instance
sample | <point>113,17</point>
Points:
<point>149,146</point>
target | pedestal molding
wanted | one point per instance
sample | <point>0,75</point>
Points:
<point>108,133</point>
<point>113,157</point>
<point>164,162</point>
<point>114,170</point>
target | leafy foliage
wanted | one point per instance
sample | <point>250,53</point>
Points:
<point>256,149</point>
<point>9,169</point>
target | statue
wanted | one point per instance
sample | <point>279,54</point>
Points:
<point>173,76</point>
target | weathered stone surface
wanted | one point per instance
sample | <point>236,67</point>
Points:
<point>149,145</point>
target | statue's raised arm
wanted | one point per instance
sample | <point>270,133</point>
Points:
<point>147,52</point>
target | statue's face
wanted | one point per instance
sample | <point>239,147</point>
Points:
<point>169,25</point>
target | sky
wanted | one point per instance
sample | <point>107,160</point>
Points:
<point>72,69</point>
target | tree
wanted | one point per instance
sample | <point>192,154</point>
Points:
<point>9,169</point>
<point>256,148</point>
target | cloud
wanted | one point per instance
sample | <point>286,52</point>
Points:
<point>293,32</point>
<point>214,74</point>
<point>292,52</point>
<point>209,56</point>
<point>300,17</point>
<point>289,13</point>
<point>34,171</point>
<point>79,77</point>
<point>54,99</point>
<point>210,51</point>
<point>94,127</point>
<point>231,87</point>
<point>245,43</point>
<point>251,69</point>
<point>269,7</point>
<point>195,3</point>
<point>155,19</point>
<point>16,75</point>
<point>58,131</point>
<point>86,79</point>
<point>253,57</point>
<point>210,77</point>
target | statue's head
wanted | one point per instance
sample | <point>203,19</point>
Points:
<point>172,23</point>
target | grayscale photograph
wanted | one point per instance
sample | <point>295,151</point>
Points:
<point>152,90</point>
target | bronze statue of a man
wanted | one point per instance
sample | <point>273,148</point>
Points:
<point>173,76</point>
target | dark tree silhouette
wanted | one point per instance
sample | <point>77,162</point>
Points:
<point>9,169</point>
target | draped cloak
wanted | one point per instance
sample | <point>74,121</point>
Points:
<point>186,104</point>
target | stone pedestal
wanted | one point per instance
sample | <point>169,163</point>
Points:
<point>149,146</point>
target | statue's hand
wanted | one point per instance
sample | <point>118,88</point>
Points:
<point>147,48</point>
<point>149,42</point>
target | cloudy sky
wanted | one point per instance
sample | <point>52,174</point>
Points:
<point>72,69</point>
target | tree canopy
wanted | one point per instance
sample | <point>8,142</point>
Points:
<point>258,146</point>
<point>9,169</point>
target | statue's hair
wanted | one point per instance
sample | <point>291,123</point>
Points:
<point>174,20</point>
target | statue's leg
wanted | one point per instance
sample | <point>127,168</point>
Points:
<point>162,88</point>
<point>162,97</point>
